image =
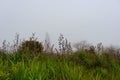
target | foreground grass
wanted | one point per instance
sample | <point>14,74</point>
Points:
<point>78,66</point>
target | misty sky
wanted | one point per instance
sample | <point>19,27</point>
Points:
<point>91,20</point>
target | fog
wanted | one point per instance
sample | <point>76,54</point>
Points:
<point>91,20</point>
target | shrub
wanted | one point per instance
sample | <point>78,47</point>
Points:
<point>31,46</point>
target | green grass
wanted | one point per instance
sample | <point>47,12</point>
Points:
<point>77,66</point>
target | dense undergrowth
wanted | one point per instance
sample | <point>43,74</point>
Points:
<point>33,61</point>
<point>76,66</point>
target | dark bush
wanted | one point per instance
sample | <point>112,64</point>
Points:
<point>31,46</point>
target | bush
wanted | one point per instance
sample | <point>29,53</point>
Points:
<point>31,46</point>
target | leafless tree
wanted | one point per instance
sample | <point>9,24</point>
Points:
<point>82,46</point>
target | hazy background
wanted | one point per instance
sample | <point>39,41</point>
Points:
<point>91,20</point>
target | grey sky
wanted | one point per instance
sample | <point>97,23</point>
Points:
<point>91,20</point>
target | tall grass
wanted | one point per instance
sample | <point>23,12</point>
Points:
<point>58,67</point>
<point>63,65</point>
